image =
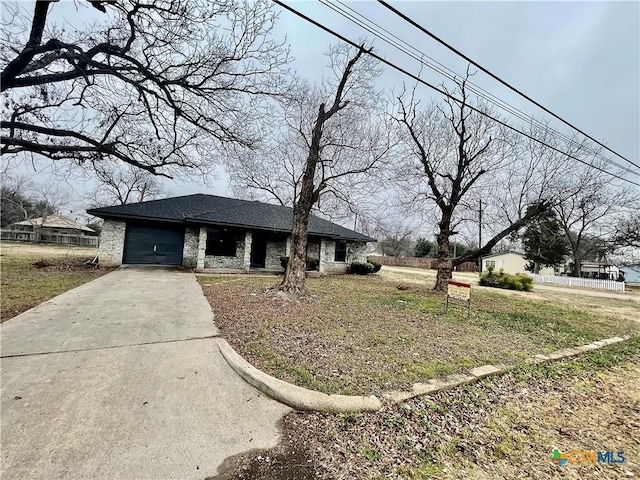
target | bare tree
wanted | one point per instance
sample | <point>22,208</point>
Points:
<point>395,240</point>
<point>120,184</point>
<point>591,216</point>
<point>16,203</point>
<point>627,232</point>
<point>450,150</point>
<point>161,85</point>
<point>22,199</point>
<point>334,136</point>
<point>50,198</point>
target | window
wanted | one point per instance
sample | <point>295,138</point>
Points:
<point>341,251</point>
<point>491,263</point>
<point>221,242</point>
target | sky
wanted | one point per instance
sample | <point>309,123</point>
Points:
<point>580,59</point>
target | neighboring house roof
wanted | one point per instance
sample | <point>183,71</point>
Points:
<point>214,210</point>
<point>520,254</point>
<point>597,264</point>
<point>55,221</point>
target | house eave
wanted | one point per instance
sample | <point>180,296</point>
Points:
<point>105,216</point>
<point>198,221</point>
<point>503,253</point>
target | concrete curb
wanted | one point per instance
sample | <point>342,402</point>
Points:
<point>292,395</point>
<point>478,373</point>
<point>311,400</point>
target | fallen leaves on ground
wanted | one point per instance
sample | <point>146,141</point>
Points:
<point>504,427</point>
<point>363,335</point>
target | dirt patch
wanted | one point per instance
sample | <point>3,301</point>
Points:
<point>286,462</point>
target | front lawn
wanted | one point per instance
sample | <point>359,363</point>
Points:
<point>363,335</point>
<point>56,270</point>
<point>503,427</point>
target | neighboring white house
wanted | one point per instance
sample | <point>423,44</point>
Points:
<point>603,271</point>
<point>510,262</point>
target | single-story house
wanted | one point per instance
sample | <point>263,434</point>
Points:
<point>51,229</point>
<point>510,262</point>
<point>599,270</point>
<point>211,232</point>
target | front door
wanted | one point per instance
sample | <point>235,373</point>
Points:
<point>258,250</point>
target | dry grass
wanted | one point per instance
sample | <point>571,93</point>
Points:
<point>362,335</point>
<point>24,285</point>
<point>502,427</point>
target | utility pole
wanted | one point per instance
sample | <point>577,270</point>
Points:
<point>480,235</point>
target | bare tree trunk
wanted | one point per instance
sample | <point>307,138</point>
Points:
<point>294,276</point>
<point>577,265</point>
<point>445,263</point>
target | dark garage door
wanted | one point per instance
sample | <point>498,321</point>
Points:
<point>153,244</point>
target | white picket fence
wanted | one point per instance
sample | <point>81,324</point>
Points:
<point>580,282</point>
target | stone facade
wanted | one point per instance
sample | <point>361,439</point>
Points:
<point>112,242</point>
<point>232,263</point>
<point>190,249</point>
<point>356,252</point>
<point>313,248</point>
<point>248,241</point>
<point>195,243</point>
<point>275,250</point>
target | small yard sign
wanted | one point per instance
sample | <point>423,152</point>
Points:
<point>459,293</point>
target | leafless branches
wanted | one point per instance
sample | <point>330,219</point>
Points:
<point>157,85</point>
<point>120,184</point>
<point>453,155</point>
<point>350,133</point>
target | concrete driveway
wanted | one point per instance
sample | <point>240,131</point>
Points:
<point>122,378</point>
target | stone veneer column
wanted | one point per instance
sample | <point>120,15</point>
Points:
<point>247,251</point>
<point>287,249</point>
<point>323,254</point>
<point>202,247</point>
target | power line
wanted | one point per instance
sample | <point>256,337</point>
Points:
<point>442,92</point>
<point>375,29</point>
<point>495,77</point>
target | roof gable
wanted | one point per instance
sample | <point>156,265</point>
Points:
<point>502,254</point>
<point>215,210</point>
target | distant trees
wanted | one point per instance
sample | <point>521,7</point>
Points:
<point>459,249</point>
<point>423,247</point>
<point>396,241</point>
<point>21,200</point>
<point>593,212</point>
<point>162,86</point>
<point>121,184</point>
<point>627,232</point>
<point>544,242</point>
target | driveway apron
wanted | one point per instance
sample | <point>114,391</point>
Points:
<point>122,378</point>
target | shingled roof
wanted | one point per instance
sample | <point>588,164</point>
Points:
<point>214,210</point>
<point>55,221</point>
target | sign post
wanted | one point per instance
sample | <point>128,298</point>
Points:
<point>459,292</point>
